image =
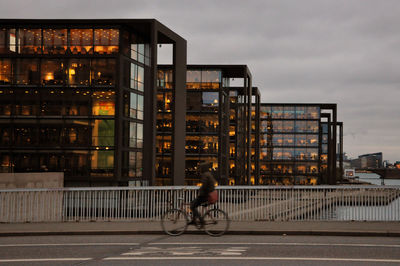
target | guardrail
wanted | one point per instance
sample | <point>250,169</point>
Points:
<point>242,203</point>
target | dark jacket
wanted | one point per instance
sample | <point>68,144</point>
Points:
<point>207,181</point>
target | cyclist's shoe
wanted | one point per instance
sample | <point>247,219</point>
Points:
<point>200,224</point>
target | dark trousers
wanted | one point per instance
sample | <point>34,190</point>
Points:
<point>196,203</point>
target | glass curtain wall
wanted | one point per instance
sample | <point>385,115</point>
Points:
<point>165,103</point>
<point>62,99</point>
<point>204,97</point>
<point>136,57</point>
<point>289,144</point>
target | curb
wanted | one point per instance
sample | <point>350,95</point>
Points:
<point>193,232</point>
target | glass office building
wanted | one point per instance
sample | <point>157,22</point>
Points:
<point>76,97</point>
<point>297,144</point>
<point>208,107</point>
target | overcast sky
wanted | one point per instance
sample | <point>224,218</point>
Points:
<point>345,52</point>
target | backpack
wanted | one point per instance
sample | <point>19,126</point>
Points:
<point>212,197</point>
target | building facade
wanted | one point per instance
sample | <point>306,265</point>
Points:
<point>217,122</point>
<point>297,144</point>
<point>78,96</point>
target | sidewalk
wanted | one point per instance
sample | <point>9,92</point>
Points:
<point>238,228</point>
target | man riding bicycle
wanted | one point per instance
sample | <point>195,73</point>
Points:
<point>207,185</point>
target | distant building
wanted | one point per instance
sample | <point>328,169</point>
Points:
<point>365,161</point>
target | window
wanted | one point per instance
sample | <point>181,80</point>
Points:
<point>312,126</point>
<point>265,112</point>
<point>210,99</point>
<point>136,106</point>
<point>140,50</point>
<point>301,140</point>
<point>79,72</point>
<point>135,135</point>
<point>289,112</point>
<point>5,71</point>
<point>277,126</point>
<point>164,101</point>
<point>103,132</point>
<point>52,72</point>
<point>30,41</point>
<point>277,111</point>
<point>27,71</point>
<point>103,103</point>
<point>103,72</point>
<point>54,41</point>
<point>312,154</point>
<point>81,41</point>
<point>137,77</point>
<point>301,126</point>
<point>165,79</point>
<point>106,41</point>
<point>313,112</point>
<point>102,163</point>
<point>3,41</point>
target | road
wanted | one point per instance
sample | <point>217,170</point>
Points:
<point>199,250</point>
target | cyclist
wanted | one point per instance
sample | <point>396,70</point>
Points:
<point>207,185</point>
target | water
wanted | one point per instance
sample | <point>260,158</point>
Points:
<point>375,180</point>
<point>390,212</point>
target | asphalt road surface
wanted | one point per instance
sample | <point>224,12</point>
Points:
<point>199,250</point>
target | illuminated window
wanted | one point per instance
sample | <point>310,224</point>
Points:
<point>79,72</point>
<point>52,72</point>
<point>103,103</point>
<point>103,71</point>
<point>27,71</point>
<point>106,41</point>
<point>103,132</point>
<point>30,41</point>
<point>54,41</point>
<point>5,71</point>
<point>81,41</point>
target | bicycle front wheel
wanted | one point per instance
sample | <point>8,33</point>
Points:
<point>174,222</point>
<point>216,222</point>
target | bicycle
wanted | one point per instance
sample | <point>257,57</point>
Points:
<point>175,221</point>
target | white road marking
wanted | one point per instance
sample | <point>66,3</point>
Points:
<point>255,258</point>
<point>68,244</point>
<point>45,259</point>
<point>286,244</point>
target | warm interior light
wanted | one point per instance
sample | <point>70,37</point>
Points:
<point>49,76</point>
<point>72,71</point>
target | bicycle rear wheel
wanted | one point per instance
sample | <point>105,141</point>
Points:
<point>216,222</point>
<point>174,222</point>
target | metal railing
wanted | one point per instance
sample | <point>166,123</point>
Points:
<point>242,203</point>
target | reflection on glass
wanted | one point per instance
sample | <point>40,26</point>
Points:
<point>54,41</point>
